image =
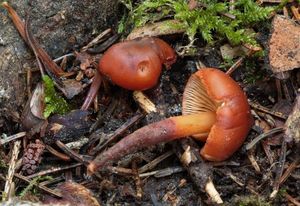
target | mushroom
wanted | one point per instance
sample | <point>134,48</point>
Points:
<point>133,65</point>
<point>137,64</point>
<point>215,110</point>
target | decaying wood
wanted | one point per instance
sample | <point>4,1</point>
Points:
<point>145,103</point>
<point>199,171</point>
<point>68,127</point>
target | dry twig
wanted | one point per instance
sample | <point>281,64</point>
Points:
<point>53,170</point>
<point>71,153</point>
<point>263,135</point>
<point>145,103</point>
<point>96,40</point>
<point>155,162</point>
<point>279,170</point>
<point>129,123</point>
<point>11,170</point>
<point>12,137</point>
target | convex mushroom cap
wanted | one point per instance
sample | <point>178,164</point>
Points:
<point>210,90</point>
<point>137,64</point>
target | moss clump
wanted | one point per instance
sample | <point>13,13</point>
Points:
<point>32,183</point>
<point>54,102</point>
<point>207,19</point>
<point>249,201</point>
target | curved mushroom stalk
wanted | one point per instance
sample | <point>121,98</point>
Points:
<point>215,110</point>
<point>158,132</point>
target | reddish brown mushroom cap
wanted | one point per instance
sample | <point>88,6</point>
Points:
<point>136,64</point>
<point>212,90</point>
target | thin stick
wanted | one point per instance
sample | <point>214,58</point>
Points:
<point>28,82</point>
<point>266,110</point>
<point>155,162</point>
<point>71,153</point>
<point>129,123</point>
<point>57,153</point>
<point>235,65</point>
<point>253,161</point>
<point>12,137</point>
<point>103,46</point>
<point>52,181</point>
<point>53,170</point>
<point>173,189</point>
<point>137,179</point>
<point>251,50</point>
<point>289,170</point>
<point>241,184</point>
<point>92,91</point>
<point>46,189</point>
<point>11,170</point>
<point>29,41</point>
<point>77,144</point>
<point>101,117</point>
<point>292,200</point>
<point>63,56</point>
<point>279,170</point>
<point>263,135</point>
<point>96,40</point>
<point>163,172</point>
<point>120,170</point>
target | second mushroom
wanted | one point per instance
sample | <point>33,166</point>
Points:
<point>215,110</point>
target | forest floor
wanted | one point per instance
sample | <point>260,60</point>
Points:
<point>45,159</point>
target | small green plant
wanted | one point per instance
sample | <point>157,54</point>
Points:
<point>54,102</point>
<point>32,183</point>
<point>207,19</point>
<point>251,71</point>
<point>251,200</point>
<point>227,63</point>
<point>2,164</point>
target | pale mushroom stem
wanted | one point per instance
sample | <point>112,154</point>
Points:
<point>158,132</point>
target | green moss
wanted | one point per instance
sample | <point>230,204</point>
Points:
<point>54,102</point>
<point>205,21</point>
<point>32,183</point>
<point>251,200</point>
<point>2,164</point>
<point>227,63</point>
